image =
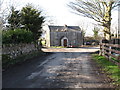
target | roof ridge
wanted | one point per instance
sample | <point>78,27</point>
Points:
<point>53,27</point>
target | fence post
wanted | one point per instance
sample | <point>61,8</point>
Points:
<point>103,49</point>
<point>100,49</point>
<point>109,57</point>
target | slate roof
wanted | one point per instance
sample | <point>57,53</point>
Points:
<point>60,28</point>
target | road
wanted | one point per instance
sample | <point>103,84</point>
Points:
<point>82,49</point>
<point>68,69</point>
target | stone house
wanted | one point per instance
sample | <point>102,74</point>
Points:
<point>63,36</point>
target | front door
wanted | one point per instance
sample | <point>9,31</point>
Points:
<point>65,43</point>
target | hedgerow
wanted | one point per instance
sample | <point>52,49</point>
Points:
<point>17,36</point>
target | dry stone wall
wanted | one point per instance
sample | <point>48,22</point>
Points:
<point>14,50</point>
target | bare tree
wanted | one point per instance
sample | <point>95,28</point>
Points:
<point>5,10</point>
<point>98,10</point>
<point>96,32</point>
<point>2,11</point>
<point>83,27</point>
<point>118,22</point>
<point>1,3</point>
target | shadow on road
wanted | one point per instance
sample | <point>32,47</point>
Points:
<point>64,68</point>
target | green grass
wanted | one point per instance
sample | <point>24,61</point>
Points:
<point>116,60</point>
<point>112,70</point>
<point>43,43</point>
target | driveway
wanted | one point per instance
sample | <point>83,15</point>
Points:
<point>68,69</point>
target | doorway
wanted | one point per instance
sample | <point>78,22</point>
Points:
<point>64,42</point>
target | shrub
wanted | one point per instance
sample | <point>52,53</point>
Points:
<point>17,36</point>
<point>6,58</point>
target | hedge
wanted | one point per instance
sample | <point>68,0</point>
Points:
<point>17,36</point>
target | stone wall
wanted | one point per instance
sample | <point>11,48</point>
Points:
<point>14,50</point>
<point>75,38</point>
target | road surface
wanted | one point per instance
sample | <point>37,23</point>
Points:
<point>82,49</point>
<point>68,69</point>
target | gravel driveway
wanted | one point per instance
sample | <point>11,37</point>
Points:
<point>66,69</point>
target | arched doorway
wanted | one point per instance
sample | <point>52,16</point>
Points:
<point>64,41</point>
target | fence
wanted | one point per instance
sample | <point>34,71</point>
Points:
<point>111,51</point>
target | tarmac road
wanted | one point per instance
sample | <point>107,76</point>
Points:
<point>68,69</point>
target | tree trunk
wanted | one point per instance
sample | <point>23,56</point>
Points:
<point>107,21</point>
<point>107,33</point>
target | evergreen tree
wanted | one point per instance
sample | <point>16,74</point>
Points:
<point>32,20</point>
<point>14,19</point>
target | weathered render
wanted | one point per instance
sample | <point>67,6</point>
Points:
<point>64,36</point>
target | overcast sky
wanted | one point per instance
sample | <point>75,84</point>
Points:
<point>58,12</point>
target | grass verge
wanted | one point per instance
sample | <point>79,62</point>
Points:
<point>112,70</point>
